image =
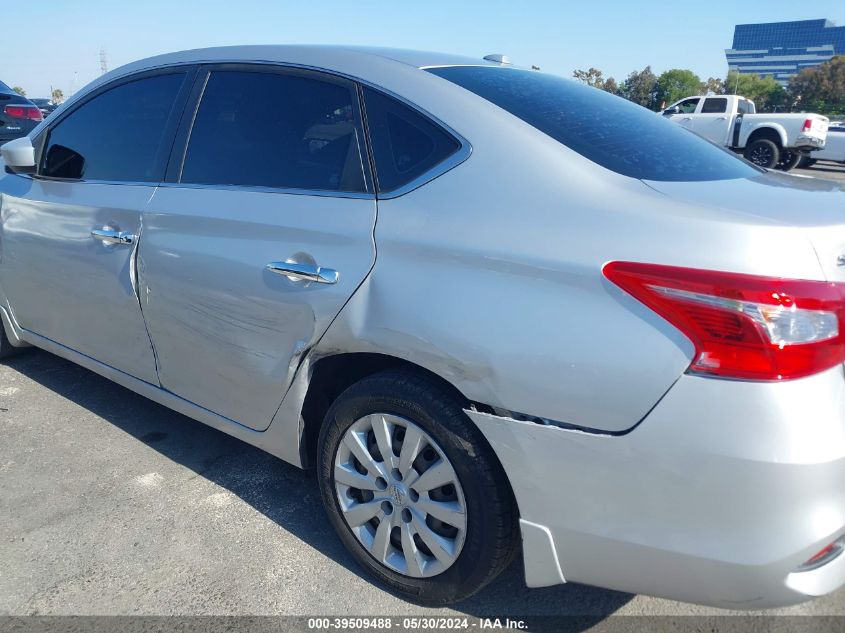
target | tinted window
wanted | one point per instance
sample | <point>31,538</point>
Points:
<point>4,87</point>
<point>608,130</point>
<point>714,105</point>
<point>405,143</point>
<point>118,135</point>
<point>275,130</point>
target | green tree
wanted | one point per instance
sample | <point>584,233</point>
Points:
<point>57,96</point>
<point>610,86</point>
<point>641,88</point>
<point>20,91</point>
<point>714,85</point>
<point>766,93</point>
<point>592,77</point>
<point>676,84</point>
<point>821,87</point>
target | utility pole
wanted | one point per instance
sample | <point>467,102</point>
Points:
<point>104,64</point>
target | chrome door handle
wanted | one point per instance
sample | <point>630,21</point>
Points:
<point>304,272</point>
<point>110,236</point>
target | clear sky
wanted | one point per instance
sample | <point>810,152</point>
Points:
<point>57,43</point>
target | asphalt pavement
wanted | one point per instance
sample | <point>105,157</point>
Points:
<point>824,169</point>
<point>113,505</point>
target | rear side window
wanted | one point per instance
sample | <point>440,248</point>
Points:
<point>119,135</point>
<point>608,130</point>
<point>744,106</point>
<point>714,105</point>
<point>405,143</point>
<point>279,130</point>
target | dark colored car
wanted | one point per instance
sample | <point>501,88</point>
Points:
<point>18,115</point>
<point>45,105</point>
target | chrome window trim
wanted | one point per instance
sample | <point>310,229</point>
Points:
<point>73,181</point>
<point>463,152</point>
<point>325,193</point>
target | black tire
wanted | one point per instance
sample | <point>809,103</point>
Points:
<point>492,530</point>
<point>763,153</point>
<point>789,160</point>
<point>807,161</point>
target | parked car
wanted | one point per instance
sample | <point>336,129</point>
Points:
<point>45,105</point>
<point>18,115</point>
<point>834,149</point>
<point>767,140</point>
<point>495,310</point>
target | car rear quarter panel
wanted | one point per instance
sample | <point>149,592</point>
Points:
<point>490,276</point>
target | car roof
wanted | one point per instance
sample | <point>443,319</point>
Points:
<point>322,53</point>
<point>362,62</point>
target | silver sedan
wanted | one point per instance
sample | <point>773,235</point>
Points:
<point>498,312</point>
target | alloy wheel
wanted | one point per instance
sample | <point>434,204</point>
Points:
<point>761,156</point>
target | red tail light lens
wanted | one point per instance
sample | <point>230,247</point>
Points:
<point>744,326</point>
<point>808,125</point>
<point>23,112</point>
<point>826,555</point>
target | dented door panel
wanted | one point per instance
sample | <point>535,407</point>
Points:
<point>229,333</point>
<point>67,286</point>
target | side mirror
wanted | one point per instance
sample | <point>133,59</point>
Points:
<point>19,155</point>
<point>672,110</point>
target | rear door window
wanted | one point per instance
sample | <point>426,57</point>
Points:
<point>405,143</point>
<point>714,105</point>
<point>122,134</point>
<point>608,130</point>
<point>744,106</point>
<point>279,129</point>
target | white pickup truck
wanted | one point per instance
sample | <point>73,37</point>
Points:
<point>767,140</point>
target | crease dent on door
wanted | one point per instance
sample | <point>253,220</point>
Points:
<point>136,287</point>
<point>228,333</point>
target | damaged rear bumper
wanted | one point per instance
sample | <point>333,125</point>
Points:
<point>716,498</point>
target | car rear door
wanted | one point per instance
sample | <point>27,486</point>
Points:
<point>70,233</point>
<point>713,121</point>
<point>259,238</point>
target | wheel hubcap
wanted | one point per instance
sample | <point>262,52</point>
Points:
<point>400,495</point>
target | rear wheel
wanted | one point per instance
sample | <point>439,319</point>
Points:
<point>763,153</point>
<point>414,491</point>
<point>789,160</point>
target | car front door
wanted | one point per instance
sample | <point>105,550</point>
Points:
<point>260,238</point>
<point>713,122</point>
<point>687,109</point>
<point>70,233</point>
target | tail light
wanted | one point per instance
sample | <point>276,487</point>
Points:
<point>808,125</point>
<point>23,112</point>
<point>826,555</point>
<point>744,326</point>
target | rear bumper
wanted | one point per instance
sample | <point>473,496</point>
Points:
<point>721,492</point>
<point>809,142</point>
